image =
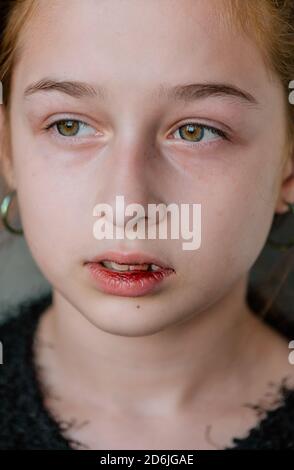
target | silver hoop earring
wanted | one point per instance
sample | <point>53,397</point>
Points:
<point>4,210</point>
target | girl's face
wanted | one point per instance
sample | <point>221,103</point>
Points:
<point>130,142</point>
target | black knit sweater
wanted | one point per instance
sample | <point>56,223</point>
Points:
<point>26,424</point>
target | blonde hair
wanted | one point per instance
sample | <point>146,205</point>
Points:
<point>271,22</point>
<point>14,16</point>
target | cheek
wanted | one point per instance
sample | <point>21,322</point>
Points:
<point>238,199</point>
<point>56,212</point>
<point>238,214</point>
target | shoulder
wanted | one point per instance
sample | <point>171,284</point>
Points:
<point>17,329</point>
<point>270,352</point>
<point>275,430</point>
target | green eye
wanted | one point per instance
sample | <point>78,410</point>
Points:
<point>68,128</point>
<point>72,128</point>
<point>195,133</point>
<point>192,131</point>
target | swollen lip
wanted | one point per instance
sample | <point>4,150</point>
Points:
<point>127,283</point>
<point>134,271</point>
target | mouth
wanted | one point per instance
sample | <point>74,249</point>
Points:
<point>128,274</point>
<point>124,261</point>
<point>120,267</point>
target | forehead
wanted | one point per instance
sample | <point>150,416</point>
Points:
<point>138,44</point>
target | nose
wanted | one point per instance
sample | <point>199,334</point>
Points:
<point>130,177</point>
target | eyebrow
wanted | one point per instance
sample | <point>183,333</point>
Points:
<point>185,93</point>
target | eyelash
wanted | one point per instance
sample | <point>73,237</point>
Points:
<point>55,123</point>
<point>214,130</point>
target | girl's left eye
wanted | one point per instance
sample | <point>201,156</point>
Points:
<point>195,133</point>
<point>72,128</point>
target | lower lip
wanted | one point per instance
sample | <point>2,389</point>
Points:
<point>127,283</point>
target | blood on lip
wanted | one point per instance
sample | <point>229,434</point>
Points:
<point>135,275</point>
<point>127,283</point>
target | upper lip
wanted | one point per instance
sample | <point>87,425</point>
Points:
<point>129,258</point>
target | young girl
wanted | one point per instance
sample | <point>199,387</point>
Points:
<point>142,344</point>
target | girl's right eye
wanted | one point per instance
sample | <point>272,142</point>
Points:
<point>72,128</point>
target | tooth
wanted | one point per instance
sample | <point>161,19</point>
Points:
<point>130,267</point>
<point>125,267</point>
<point>142,267</point>
<point>154,267</point>
<point>113,265</point>
<point>120,267</point>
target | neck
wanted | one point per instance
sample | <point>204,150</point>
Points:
<point>159,372</point>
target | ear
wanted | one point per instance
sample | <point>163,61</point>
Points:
<point>6,163</point>
<point>286,193</point>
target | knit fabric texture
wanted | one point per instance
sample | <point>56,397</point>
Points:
<point>25,423</point>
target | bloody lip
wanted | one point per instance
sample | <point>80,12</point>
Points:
<point>127,283</point>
